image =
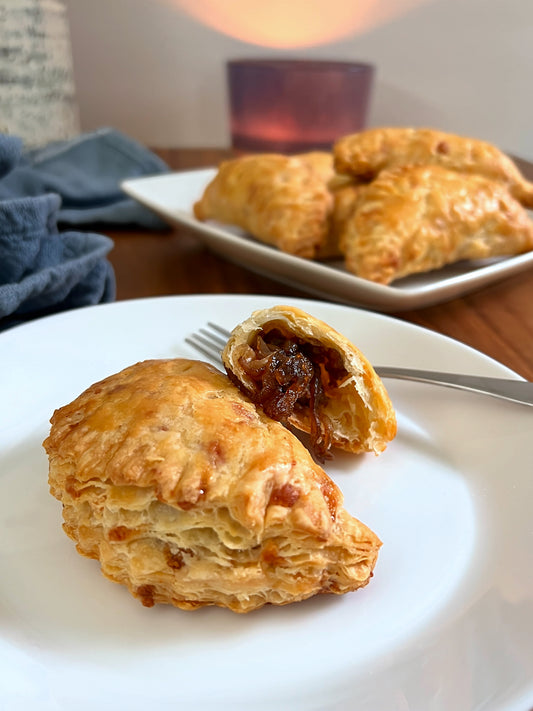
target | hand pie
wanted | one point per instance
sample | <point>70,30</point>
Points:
<point>280,200</point>
<point>189,495</point>
<point>418,218</point>
<point>364,155</point>
<point>304,373</point>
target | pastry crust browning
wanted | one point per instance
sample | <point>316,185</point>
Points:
<point>280,200</point>
<point>418,218</point>
<point>188,495</point>
<point>346,199</point>
<point>355,410</point>
<point>364,155</point>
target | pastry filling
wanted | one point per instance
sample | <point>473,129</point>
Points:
<point>289,376</point>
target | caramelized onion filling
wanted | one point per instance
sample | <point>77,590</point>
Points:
<point>290,375</point>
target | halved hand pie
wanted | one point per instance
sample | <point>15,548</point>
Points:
<point>304,373</point>
<point>189,495</point>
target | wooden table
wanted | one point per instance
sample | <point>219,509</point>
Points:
<point>497,320</point>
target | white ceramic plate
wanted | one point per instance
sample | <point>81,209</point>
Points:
<point>173,195</point>
<point>446,622</point>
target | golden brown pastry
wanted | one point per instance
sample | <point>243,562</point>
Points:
<point>418,218</point>
<point>189,495</point>
<point>345,201</point>
<point>304,373</point>
<point>321,162</point>
<point>280,200</point>
<point>365,154</point>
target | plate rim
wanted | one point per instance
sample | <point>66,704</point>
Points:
<point>494,365</point>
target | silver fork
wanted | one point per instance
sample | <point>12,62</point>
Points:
<point>210,341</point>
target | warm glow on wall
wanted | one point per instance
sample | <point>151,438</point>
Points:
<point>292,24</point>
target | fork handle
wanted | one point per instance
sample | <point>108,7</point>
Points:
<point>519,391</point>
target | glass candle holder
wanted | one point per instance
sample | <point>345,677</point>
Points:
<point>291,106</point>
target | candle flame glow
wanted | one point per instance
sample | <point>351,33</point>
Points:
<point>293,24</point>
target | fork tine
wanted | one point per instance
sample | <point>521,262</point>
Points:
<point>213,338</point>
<point>223,332</point>
<point>209,343</point>
<point>214,356</point>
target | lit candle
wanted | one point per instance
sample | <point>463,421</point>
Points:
<point>290,106</point>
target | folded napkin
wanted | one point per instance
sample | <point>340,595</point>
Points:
<point>43,270</point>
<point>86,172</point>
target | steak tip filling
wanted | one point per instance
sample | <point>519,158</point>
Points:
<point>292,376</point>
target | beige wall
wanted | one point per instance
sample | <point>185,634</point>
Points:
<point>146,68</point>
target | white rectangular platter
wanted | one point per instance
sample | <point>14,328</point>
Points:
<point>173,195</point>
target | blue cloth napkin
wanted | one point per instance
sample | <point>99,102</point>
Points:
<point>86,172</point>
<point>73,183</point>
